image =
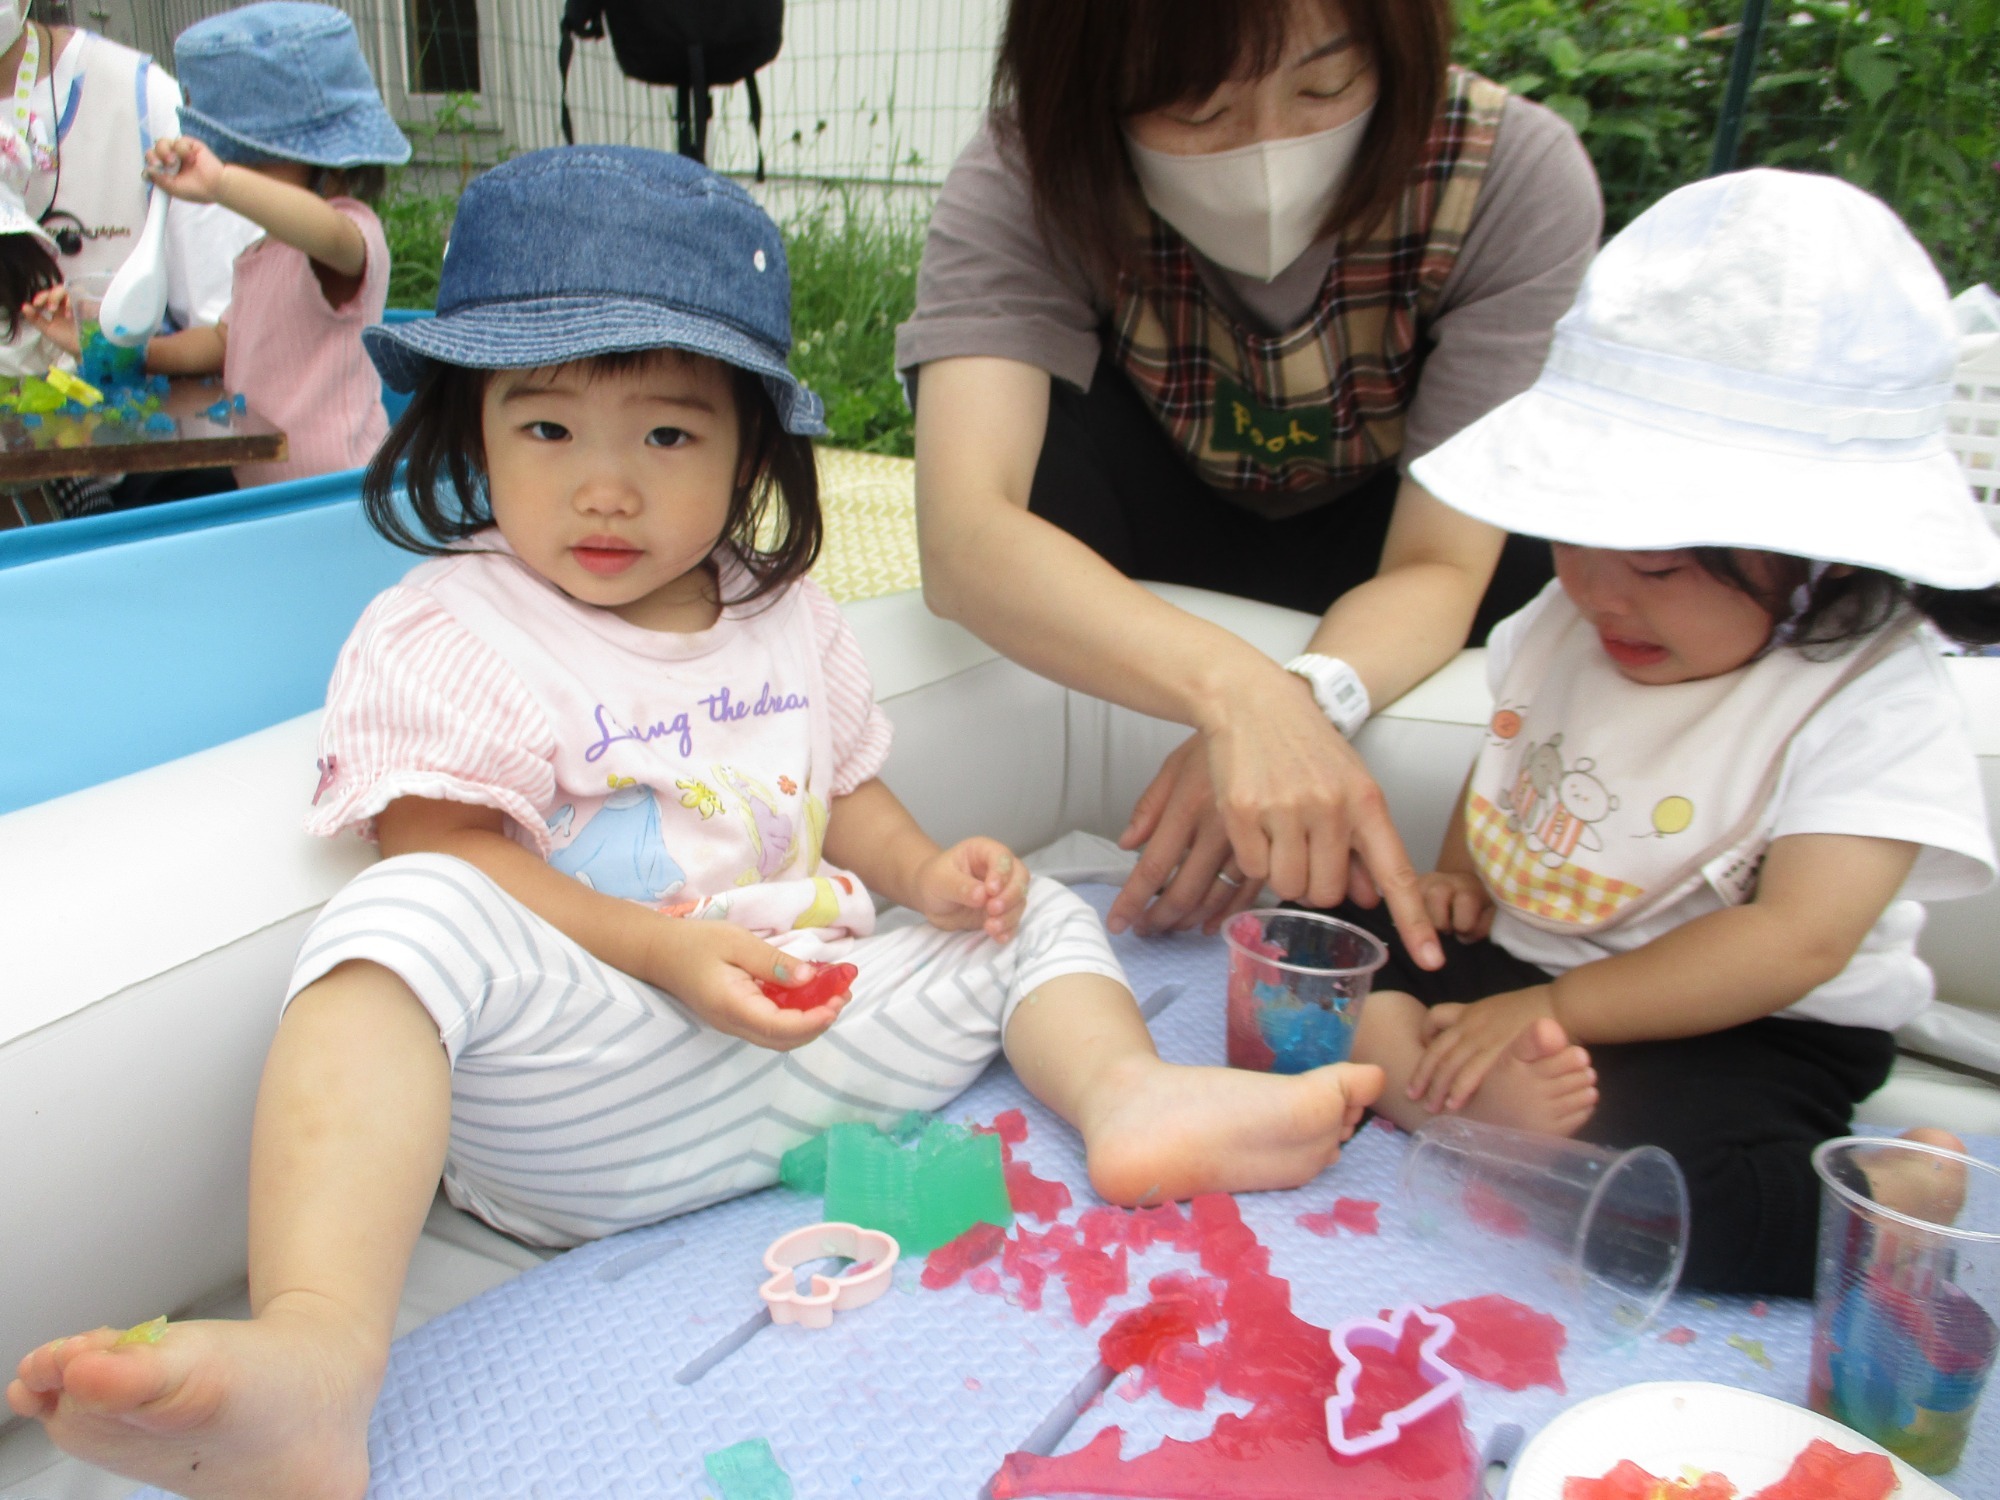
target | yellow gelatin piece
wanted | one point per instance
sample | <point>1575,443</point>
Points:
<point>149,1332</point>
<point>77,389</point>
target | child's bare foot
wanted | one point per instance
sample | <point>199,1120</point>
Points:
<point>1543,1083</point>
<point>277,1405</point>
<point>1171,1132</point>
<point>1916,1183</point>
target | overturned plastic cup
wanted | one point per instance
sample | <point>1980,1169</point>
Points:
<point>1296,983</point>
<point>1594,1231</point>
<point>1906,1305</point>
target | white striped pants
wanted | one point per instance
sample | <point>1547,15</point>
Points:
<point>585,1102</point>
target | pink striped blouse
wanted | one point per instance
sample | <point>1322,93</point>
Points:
<point>693,773</point>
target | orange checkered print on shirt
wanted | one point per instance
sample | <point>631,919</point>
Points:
<point>1516,876</point>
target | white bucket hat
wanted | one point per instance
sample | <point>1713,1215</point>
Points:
<point>1759,360</point>
<point>16,166</point>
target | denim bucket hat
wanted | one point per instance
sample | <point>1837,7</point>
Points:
<point>574,251</point>
<point>284,80</point>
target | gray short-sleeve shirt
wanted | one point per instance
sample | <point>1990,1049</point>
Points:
<point>991,285</point>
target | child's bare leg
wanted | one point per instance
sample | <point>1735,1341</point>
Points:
<point>1922,1186</point>
<point>352,1118</point>
<point>1156,1130</point>
<point>1543,1084</point>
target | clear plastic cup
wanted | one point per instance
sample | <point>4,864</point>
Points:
<point>1906,1307</point>
<point>1296,983</point>
<point>1599,1232</point>
<point>104,364</point>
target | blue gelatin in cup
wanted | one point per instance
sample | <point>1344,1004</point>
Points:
<point>106,365</point>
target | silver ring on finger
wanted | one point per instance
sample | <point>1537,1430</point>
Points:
<point>1234,882</point>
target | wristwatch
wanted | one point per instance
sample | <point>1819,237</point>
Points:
<point>1337,688</point>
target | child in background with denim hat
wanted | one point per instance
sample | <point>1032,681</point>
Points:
<point>1725,762</point>
<point>626,761</point>
<point>284,126</point>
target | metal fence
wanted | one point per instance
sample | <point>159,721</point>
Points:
<point>865,91</point>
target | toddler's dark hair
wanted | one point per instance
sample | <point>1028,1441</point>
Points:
<point>1842,609</point>
<point>441,439</point>
<point>367,182</point>
<point>25,269</point>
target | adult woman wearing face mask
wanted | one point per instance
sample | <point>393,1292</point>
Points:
<point>1213,273</point>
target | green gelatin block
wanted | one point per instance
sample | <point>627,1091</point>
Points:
<point>748,1471</point>
<point>926,1193</point>
<point>803,1168</point>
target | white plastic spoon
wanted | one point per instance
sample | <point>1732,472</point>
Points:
<point>137,296</point>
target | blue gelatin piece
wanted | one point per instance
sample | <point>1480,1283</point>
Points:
<point>238,402</point>
<point>159,421</point>
<point>31,419</point>
<point>219,412</point>
<point>1304,1036</point>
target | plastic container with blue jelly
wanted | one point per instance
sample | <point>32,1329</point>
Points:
<point>1296,984</point>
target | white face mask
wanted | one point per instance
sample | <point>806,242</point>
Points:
<point>1254,209</point>
<point>10,23</point>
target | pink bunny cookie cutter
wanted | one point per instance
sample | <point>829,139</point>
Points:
<point>874,1256</point>
<point>1386,1333</point>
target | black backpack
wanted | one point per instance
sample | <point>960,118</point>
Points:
<point>694,45</point>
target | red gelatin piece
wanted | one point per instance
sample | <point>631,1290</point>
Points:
<point>1202,1293</point>
<point>1389,1380</point>
<point>1505,1343</point>
<point>1630,1482</point>
<point>831,980</point>
<point>954,1258</point>
<point>1489,1210</point>
<point>1826,1472</point>
<point>1357,1215</point>
<point>1030,1280</point>
<point>1164,1224</point>
<point>1093,1278</point>
<point>1226,1244</point>
<point>1103,1225</point>
<point>1325,1225</point>
<point>984,1280</point>
<point>1011,1125</point>
<point>1136,1337</point>
<point>1032,1195</point>
<point>1184,1373</point>
<point>1678,1335</point>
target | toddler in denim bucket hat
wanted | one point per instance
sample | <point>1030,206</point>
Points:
<point>283,125</point>
<point>625,760</point>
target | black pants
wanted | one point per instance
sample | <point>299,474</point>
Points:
<point>1740,1110</point>
<point>1111,477</point>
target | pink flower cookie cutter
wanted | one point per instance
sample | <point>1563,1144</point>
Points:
<point>1386,1333</point>
<point>874,1256</point>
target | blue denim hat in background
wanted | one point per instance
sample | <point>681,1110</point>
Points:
<point>284,80</point>
<point>574,251</point>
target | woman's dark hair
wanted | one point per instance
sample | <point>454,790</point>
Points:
<point>366,182</point>
<point>25,269</point>
<point>1842,608</point>
<point>1071,71</point>
<point>773,526</point>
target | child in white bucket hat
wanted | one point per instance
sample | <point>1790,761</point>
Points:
<point>27,254</point>
<point>1725,763</point>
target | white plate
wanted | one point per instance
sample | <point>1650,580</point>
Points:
<point>1671,1425</point>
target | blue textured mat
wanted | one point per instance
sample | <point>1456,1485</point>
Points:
<point>560,1383</point>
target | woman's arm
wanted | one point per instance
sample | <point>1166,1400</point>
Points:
<point>709,966</point>
<point>1294,799</point>
<point>1818,896</point>
<point>193,351</point>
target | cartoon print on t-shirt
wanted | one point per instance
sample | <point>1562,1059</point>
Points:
<point>699,796</point>
<point>1526,846</point>
<point>1580,800</point>
<point>620,851</point>
<point>1541,769</point>
<point>825,908</point>
<point>771,829</point>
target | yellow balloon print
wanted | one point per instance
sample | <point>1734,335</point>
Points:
<point>1672,815</point>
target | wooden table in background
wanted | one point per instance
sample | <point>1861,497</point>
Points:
<point>74,447</point>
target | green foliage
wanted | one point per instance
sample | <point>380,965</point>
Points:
<point>854,278</point>
<point>1901,97</point>
<point>416,226</point>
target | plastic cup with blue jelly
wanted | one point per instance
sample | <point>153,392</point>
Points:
<point>1906,1304</point>
<point>1296,983</point>
<point>106,365</point>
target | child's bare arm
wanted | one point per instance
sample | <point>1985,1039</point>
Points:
<point>193,351</point>
<point>975,883</point>
<point>709,966</point>
<point>185,168</point>
<point>1817,897</point>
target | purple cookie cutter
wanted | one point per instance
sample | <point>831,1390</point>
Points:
<point>1386,1333</point>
